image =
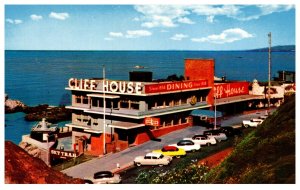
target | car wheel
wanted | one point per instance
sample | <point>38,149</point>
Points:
<point>138,164</point>
<point>88,181</point>
<point>208,144</point>
<point>193,150</point>
<point>246,126</point>
<point>160,165</point>
<point>177,156</point>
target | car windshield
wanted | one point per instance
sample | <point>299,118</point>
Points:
<point>161,156</point>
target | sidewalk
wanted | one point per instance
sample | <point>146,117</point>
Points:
<point>125,158</point>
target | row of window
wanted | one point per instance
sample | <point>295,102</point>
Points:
<point>129,104</point>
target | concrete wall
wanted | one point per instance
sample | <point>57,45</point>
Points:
<point>144,137</point>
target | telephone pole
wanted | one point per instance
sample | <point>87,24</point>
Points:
<point>269,73</point>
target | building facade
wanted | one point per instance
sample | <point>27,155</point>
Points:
<point>112,115</point>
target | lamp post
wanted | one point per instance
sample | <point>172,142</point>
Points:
<point>215,103</point>
<point>269,72</point>
<point>104,109</point>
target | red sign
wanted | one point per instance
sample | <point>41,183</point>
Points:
<point>231,89</point>
<point>152,121</point>
<point>174,86</point>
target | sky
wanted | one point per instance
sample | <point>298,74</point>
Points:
<point>148,26</point>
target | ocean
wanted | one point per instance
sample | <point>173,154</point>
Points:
<point>40,77</point>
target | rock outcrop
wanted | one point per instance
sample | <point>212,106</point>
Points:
<point>30,149</point>
<point>12,106</point>
<point>21,168</point>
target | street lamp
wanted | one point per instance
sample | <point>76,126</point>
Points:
<point>104,109</point>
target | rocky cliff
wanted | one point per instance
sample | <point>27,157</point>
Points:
<point>21,168</point>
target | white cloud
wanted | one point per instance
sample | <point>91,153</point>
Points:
<point>227,36</point>
<point>36,17</point>
<point>172,15</point>
<point>210,18</point>
<point>264,10</point>
<point>185,20</point>
<point>116,34</point>
<point>137,33</point>
<point>9,21</point>
<point>179,37</point>
<point>59,16</point>
<point>160,15</point>
<point>16,21</point>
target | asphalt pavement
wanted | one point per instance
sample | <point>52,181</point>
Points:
<point>124,159</point>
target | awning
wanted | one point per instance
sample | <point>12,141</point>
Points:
<point>206,113</point>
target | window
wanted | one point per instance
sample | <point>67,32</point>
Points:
<point>85,100</point>
<point>78,99</point>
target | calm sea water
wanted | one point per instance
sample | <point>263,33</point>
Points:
<point>38,77</point>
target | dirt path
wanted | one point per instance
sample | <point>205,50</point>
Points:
<point>215,159</point>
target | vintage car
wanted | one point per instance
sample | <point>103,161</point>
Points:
<point>202,140</point>
<point>187,145</point>
<point>103,177</point>
<point>230,131</point>
<point>252,123</point>
<point>216,134</point>
<point>171,151</point>
<point>152,159</point>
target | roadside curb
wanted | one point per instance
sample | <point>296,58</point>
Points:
<point>122,168</point>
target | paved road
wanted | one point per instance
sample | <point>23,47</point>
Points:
<point>125,158</point>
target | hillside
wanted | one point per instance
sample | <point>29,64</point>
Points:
<point>21,168</point>
<point>265,156</point>
<point>276,49</point>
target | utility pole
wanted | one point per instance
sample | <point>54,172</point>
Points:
<point>269,73</point>
<point>104,109</point>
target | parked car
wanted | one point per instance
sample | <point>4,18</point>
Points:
<point>263,117</point>
<point>202,140</point>
<point>216,134</point>
<point>252,123</point>
<point>103,177</point>
<point>171,151</point>
<point>187,145</point>
<point>230,131</point>
<point>152,159</point>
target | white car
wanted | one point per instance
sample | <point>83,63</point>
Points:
<point>187,145</point>
<point>216,134</point>
<point>152,159</point>
<point>103,177</point>
<point>202,140</point>
<point>252,123</point>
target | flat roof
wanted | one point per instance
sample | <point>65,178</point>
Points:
<point>125,125</point>
<point>102,95</point>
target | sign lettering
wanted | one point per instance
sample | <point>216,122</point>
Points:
<point>62,154</point>
<point>108,86</point>
<point>175,86</point>
<point>231,89</point>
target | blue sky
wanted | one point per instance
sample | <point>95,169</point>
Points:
<point>147,27</point>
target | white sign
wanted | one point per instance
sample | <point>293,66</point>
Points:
<point>108,86</point>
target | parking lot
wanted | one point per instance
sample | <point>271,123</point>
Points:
<point>124,159</point>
